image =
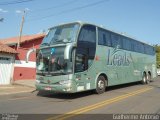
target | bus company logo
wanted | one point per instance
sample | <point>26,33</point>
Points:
<point>118,57</point>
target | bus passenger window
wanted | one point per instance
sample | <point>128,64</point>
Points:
<point>104,37</point>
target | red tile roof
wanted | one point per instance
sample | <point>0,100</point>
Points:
<point>6,49</point>
<point>24,38</point>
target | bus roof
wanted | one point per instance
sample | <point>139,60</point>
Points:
<point>83,23</point>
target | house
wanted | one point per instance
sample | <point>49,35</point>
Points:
<point>7,58</point>
<point>23,70</point>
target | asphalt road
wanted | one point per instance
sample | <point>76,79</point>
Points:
<point>134,99</point>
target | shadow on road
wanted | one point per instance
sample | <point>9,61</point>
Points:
<point>68,96</point>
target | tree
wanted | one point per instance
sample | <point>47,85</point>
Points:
<point>157,48</point>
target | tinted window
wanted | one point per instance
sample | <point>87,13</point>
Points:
<point>104,37</point>
<point>108,38</point>
<point>146,49</point>
<point>119,41</point>
<point>135,43</point>
<point>87,34</point>
<point>126,43</point>
<point>114,39</point>
<point>141,48</point>
<point>86,47</point>
<point>149,50</point>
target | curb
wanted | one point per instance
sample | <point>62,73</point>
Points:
<point>6,93</point>
<point>25,85</point>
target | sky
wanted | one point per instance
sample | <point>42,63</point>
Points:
<point>139,19</point>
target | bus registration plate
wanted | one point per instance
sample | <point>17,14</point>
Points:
<point>47,88</point>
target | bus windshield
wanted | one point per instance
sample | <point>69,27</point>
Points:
<point>51,61</point>
<point>61,34</point>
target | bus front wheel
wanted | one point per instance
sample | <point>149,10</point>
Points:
<point>101,85</point>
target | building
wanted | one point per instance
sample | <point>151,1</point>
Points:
<point>23,70</point>
<point>7,58</point>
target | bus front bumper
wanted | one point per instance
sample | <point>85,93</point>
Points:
<point>64,88</point>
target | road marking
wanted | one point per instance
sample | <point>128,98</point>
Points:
<point>98,105</point>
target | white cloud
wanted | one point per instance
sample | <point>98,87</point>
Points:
<point>21,11</point>
<point>27,9</point>
<point>3,11</point>
<point>18,11</point>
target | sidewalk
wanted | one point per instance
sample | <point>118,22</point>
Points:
<point>20,86</point>
<point>14,89</point>
<point>28,83</point>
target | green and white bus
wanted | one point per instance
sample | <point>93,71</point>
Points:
<point>79,56</point>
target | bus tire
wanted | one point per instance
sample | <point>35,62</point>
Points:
<point>101,85</point>
<point>148,77</point>
<point>144,79</point>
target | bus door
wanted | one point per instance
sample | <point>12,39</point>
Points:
<point>85,53</point>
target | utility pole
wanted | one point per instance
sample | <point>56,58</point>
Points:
<point>21,28</point>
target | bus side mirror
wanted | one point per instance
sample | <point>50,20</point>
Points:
<point>68,50</point>
<point>28,54</point>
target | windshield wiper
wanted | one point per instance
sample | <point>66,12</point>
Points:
<point>58,72</point>
<point>62,72</point>
<point>58,40</point>
<point>45,44</point>
<point>62,40</point>
<point>40,73</point>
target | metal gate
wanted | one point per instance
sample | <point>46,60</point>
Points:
<point>5,70</point>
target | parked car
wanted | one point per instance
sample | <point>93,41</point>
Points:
<point>158,72</point>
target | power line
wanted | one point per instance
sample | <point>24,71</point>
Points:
<point>15,2</point>
<point>70,10</point>
<point>56,6</point>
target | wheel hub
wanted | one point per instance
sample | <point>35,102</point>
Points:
<point>100,84</point>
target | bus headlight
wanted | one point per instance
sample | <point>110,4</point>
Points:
<point>65,82</point>
<point>38,81</point>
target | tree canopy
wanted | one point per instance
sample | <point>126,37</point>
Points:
<point>157,48</point>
